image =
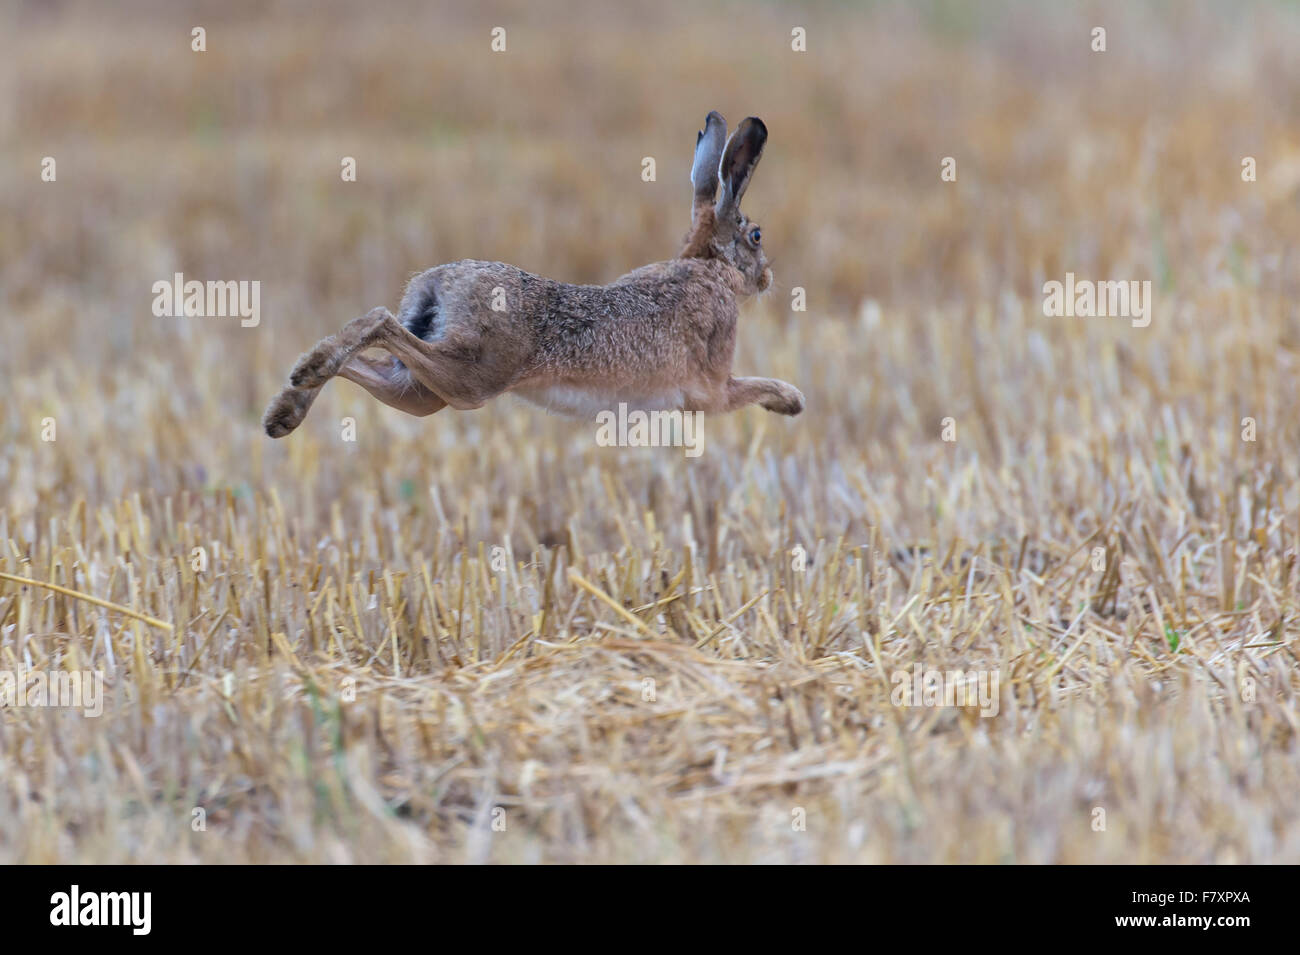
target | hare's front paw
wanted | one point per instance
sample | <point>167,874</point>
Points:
<point>785,399</point>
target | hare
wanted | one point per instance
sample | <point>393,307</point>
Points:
<point>659,338</point>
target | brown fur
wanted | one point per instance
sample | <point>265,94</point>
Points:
<point>661,336</point>
<point>699,241</point>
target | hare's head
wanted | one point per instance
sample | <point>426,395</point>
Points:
<point>719,230</point>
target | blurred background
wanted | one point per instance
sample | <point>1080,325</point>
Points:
<point>924,303</point>
<point>923,296</point>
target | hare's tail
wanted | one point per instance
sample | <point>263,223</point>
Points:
<point>423,315</point>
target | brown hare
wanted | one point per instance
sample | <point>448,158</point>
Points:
<point>659,338</point>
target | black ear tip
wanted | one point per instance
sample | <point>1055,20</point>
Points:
<point>713,117</point>
<point>760,127</point>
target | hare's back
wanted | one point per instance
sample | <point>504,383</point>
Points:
<point>470,292</point>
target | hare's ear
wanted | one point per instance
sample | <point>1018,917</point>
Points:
<point>708,153</point>
<point>744,150</point>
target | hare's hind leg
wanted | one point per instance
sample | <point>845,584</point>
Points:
<point>385,379</point>
<point>328,358</point>
<point>287,409</point>
<point>389,381</point>
<point>452,369</point>
<point>329,355</point>
<point>455,369</point>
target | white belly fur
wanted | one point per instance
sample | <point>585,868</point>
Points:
<point>582,402</point>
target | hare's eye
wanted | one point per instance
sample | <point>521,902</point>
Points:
<point>756,236</point>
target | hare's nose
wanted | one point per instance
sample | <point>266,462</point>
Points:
<point>765,280</point>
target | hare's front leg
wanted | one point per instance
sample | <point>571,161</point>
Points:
<point>772,393</point>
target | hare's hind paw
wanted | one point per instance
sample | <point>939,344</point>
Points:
<point>317,366</point>
<point>286,411</point>
<point>785,399</point>
<point>329,356</point>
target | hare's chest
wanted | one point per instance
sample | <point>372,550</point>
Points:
<point>587,401</point>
